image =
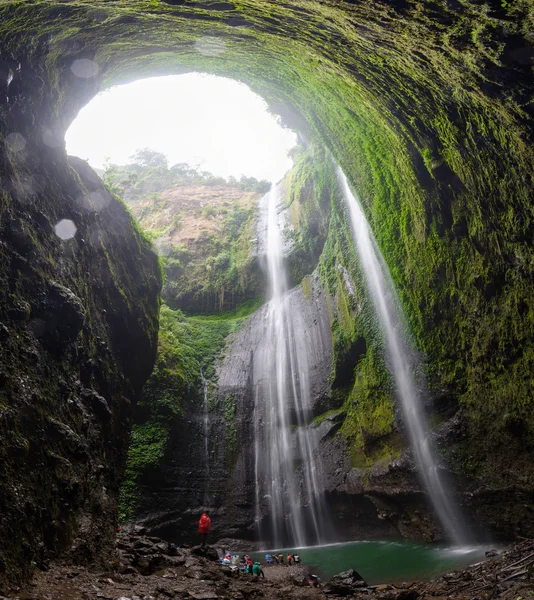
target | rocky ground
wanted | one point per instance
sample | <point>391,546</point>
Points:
<point>148,568</point>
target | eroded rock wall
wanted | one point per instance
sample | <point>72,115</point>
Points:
<point>428,108</point>
<point>79,299</point>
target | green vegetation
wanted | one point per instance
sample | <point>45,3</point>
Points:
<point>309,187</point>
<point>427,108</point>
<point>202,225</point>
<point>187,350</point>
<point>149,173</point>
<point>229,413</point>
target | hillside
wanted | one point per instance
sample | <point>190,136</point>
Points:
<point>202,226</point>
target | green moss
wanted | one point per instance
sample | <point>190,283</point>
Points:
<point>309,187</point>
<point>187,350</point>
<point>426,109</point>
<point>147,446</point>
<point>320,418</point>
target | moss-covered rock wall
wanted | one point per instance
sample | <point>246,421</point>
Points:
<point>427,106</point>
<point>79,286</point>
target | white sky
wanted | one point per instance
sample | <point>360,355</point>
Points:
<point>204,120</point>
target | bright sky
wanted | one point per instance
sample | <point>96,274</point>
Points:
<point>215,123</point>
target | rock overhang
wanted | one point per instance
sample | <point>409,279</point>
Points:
<point>392,65</point>
<point>427,107</point>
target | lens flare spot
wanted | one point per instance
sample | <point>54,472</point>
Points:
<point>84,68</point>
<point>65,229</point>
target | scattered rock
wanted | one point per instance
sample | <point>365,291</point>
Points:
<point>205,551</point>
<point>407,595</point>
<point>345,584</point>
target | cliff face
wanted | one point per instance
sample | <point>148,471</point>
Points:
<point>79,289</point>
<point>427,106</point>
<point>203,227</point>
<point>367,474</point>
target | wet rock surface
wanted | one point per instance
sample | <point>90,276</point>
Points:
<point>79,292</point>
<point>172,496</point>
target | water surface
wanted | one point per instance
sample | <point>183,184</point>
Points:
<point>386,562</point>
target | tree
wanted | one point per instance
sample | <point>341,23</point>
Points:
<point>149,158</point>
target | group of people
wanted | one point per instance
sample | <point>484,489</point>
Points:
<point>278,559</point>
<point>243,564</point>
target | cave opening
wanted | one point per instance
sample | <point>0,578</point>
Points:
<point>426,106</point>
<point>213,124</point>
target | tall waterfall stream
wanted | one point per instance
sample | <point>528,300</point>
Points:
<point>278,361</point>
<point>402,363</point>
<point>286,470</point>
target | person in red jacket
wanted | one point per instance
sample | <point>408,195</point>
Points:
<point>204,526</point>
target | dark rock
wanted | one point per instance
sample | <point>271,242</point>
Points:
<point>206,551</point>
<point>62,316</point>
<point>345,584</point>
<point>98,404</point>
<point>59,485</point>
<point>407,595</point>
<point>134,529</point>
<point>491,553</point>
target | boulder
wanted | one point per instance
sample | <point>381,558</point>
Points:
<point>345,584</point>
<point>206,551</point>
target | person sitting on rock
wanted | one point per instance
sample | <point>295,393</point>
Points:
<point>204,525</point>
<point>296,558</point>
<point>268,559</point>
<point>289,560</point>
<point>257,570</point>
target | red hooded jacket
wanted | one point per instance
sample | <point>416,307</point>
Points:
<point>204,524</point>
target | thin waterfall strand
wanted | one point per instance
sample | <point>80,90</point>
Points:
<point>402,365</point>
<point>206,424</point>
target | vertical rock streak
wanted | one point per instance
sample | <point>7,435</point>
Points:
<point>403,365</point>
<point>284,463</point>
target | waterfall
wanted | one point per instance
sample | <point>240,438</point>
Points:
<point>206,425</point>
<point>402,364</point>
<point>286,471</point>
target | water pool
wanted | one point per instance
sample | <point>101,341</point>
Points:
<point>384,561</point>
